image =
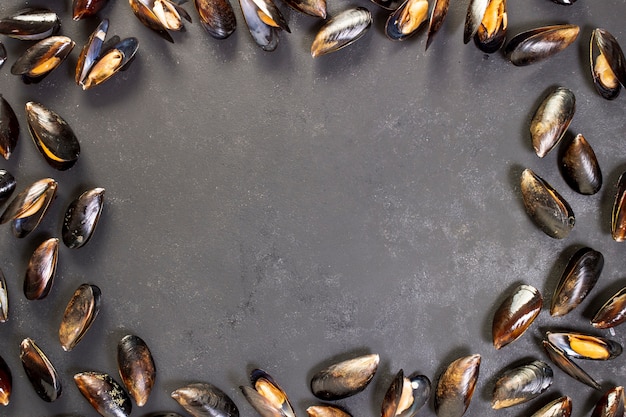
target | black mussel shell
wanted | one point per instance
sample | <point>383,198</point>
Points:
<point>585,346</point>
<point>341,31</point>
<point>4,300</point>
<point>580,167</point>
<point>560,359</point>
<point>578,278</point>
<point>104,394</point>
<point>537,44</point>
<point>206,400</point>
<point>521,384</point>
<point>515,315</point>
<point>456,386</point>
<point>81,218</point>
<point>547,208</point>
<point>52,136</point>
<point>79,315</point>
<point>607,64</point>
<point>160,16</point>
<point>137,368</point>
<point>406,395</point>
<point>110,62</point>
<point>30,24</point>
<point>91,51</point>
<point>618,214</point>
<point>551,120</point>
<point>217,17</point>
<point>561,407</point>
<point>475,13</point>
<point>262,27</point>
<point>28,208</point>
<point>611,404</point>
<point>491,32</point>
<point>9,129</point>
<point>437,16</point>
<point>267,397</point>
<point>345,378</point>
<point>86,8</point>
<point>41,269</point>
<point>40,372</point>
<point>42,58</point>
<point>326,411</point>
<point>6,382</point>
<point>315,8</point>
<point>7,185</point>
<point>3,54</point>
<point>612,313</point>
<point>406,19</point>
<point>609,47</point>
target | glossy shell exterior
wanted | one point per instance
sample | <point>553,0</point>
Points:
<point>205,400</point>
<point>406,395</point>
<point>456,386</point>
<point>216,17</point>
<point>546,207</point>
<point>315,8</point>
<point>30,24</point>
<point>86,8</point>
<point>515,315</point>
<point>6,383</point>
<point>344,379</point>
<point>608,64</point>
<point>612,313</point>
<point>342,30</point>
<point>9,129</point>
<point>42,58</point>
<point>580,167</point>
<point>104,394</point>
<point>521,384</point>
<point>41,269</point>
<point>560,359</point>
<point>611,404</point>
<point>160,15</point>
<point>538,44</point>
<point>4,299</point>
<point>326,411</point>
<point>561,407</point>
<point>406,19</point>
<point>3,55</point>
<point>551,120</point>
<point>585,346</point>
<point>267,397</point>
<point>81,218</point>
<point>40,372</point>
<point>109,62</point>
<point>137,368</point>
<point>7,185</point>
<point>28,208</point>
<point>79,315</point>
<point>618,214</point>
<point>437,16</point>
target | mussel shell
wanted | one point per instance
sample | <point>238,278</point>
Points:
<point>4,299</point>
<point>406,19</point>
<point>41,269</point>
<point>9,129</point>
<point>388,4</point>
<point>7,185</point>
<point>406,395</point>
<point>611,404</point>
<point>40,372</point>
<point>143,11</point>
<point>104,394</point>
<point>515,315</point>
<point>585,346</point>
<point>345,378</point>
<point>79,315</point>
<point>578,278</point>
<point>33,202</point>
<point>545,206</point>
<point>551,120</point>
<point>538,44</point>
<point>342,30</point>
<point>137,368</point>
<point>42,58</point>
<point>612,313</point>
<point>163,414</point>
<point>560,359</point>
<point>601,65</point>
<point>110,62</point>
<point>564,2</point>
<point>267,397</point>
<point>456,386</point>
<point>6,382</point>
<point>315,8</point>
<point>437,16</point>
<point>205,400</point>
<point>326,411</point>
<point>91,51</point>
<point>30,24</point>
<point>217,17</point>
<point>3,54</point>
<point>86,8</point>
<point>491,32</point>
<point>474,16</point>
<point>608,45</point>
<point>618,213</point>
<point>521,384</point>
<point>580,167</point>
<point>561,407</point>
<point>264,35</point>
<point>81,218</point>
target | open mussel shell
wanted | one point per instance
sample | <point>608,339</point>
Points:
<point>86,8</point>
<point>264,21</point>
<point>345,378</point>
<point>437,16</point>
<point>30,24</point>
<point>104,394</point>
<point>7,185</point>
<point>52,136</point>
<point>475,12</point>
<point>42,58</point>
<point>521,384</point>
<point>515,315</point>
<point>580,167</point>
<point>585,346</point>
<point>456,386</point>
<point>205,400</point>
<point>160,15</point>
<point>29,206</point>
<point>9,129</point>
<point>326,411</point>
<point>6,382</point>
<point>538,44</point>
<point>406,395</point>
<point>406,19</point>
<point>315,8</point>
<point>267,397</point>
<point>342,30</point>
<point>612,313</point>
<point>545,206</point>
<point>216,17</point>
<point>578,278</point>
<point>618,213</point>
<point>40,372</point>
<point>137,368</point>
<point>41,269</point>
<point>4,299</point>
<point>560,359</point>
<point>491,32</point>
<point>551,120</point>
<point>91,51</point>
<point>611,404</point>
<point>110,62</point>
<point>608,65</point>
<point>81,218</point>
<point>79,315</point>
<point>561,407</point>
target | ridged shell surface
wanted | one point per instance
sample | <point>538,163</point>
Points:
<point>456,386</point>
<point>521,384</point>
<point>205,400</point>
<point>137,367</point>
<point>345,378</point>
<point>79,315</point>
<point>341,31</point>
<point>40,372</point>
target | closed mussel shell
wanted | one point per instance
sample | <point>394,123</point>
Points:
<point>561,407</point>
<point>521,384</point>
<point>104,394</point>
<point>3,54</point>
<point>28,208</point>
<point>79,315</point>
<point>111,61</point>
<point>608,64</point>
<point>612,313</point>
<point>42,58</point>
<point>7,185</point>
<point>341,31</point>
<point>551,120</point>
<point>86,8</point>
<point>4,299</point>
<point>456,386</point>
<point>205,400</point>
<point>545,206</point>
<point>406,395</point>
<point>611,404</point>
<point>53,137</point>
<point>137,368</point>
<point>580,167</point>
<point>9,129</point>
<point>267,397</point>
<point>618,213</point>
<point>6,382</point>
<point>41,269</point>
<point>515,315</point>
<point>81,218</point>
<point>560,359</point>
<point>326,411</point>
<point>578,278</point>
<point>437,16</point>
<point>217,17</point>
<point>538,44</point>
<point>491,32</point>
<point>30,24</point>
<point>585,346</point>
<point>40,372</point>
<point>345,378</point>
<point>406,19</point>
